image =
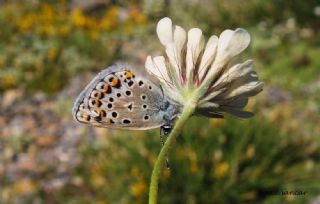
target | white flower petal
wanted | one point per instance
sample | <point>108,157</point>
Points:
<point>194,47</point>
<point>174,59</point>
<point>164,31</point>
<point>157,67</point>
<point>236,71</point>
<point>208,55</point>
<point>246,90</point>
<point>160,63</point>
<point>174,52</point>
<point>231,43</point>
<point>151,68</point>
<point>179,37</point>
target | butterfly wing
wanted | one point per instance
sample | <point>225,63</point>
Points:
<point>119,97</point>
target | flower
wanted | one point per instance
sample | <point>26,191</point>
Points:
<point>210,74</point>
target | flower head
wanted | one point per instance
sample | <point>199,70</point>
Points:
<point>209,75</point>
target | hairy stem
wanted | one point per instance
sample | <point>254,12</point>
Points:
<point>153,189</point>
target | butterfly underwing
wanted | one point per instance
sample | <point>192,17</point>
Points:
<point>123,98</point>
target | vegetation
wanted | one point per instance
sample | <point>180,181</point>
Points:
<point>44,45</point>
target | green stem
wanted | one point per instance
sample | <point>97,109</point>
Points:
<point>186,113</point>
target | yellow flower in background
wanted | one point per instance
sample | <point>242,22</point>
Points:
<point>110,19</point>
<point>138,188</point>
<point>52,53</point>
<point>250,152</point>
<point>94,34</point>
<point>127,28</point>
<point>135,171</point>
<point>64,30</point>
<point>47,30</point>
<point>98,180</point>
<point>8,80</point>
<point>2,62</point>
<point>26,22</point>
<point>24,186</point>
<point>221,170</point>
<point>78,18</point>
<point>217,122</point>
<point>136,15</point>
<point>47,13</point>
<point>194,161</point>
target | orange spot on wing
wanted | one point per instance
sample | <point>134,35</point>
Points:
<point>128,74</point>
<point>102,113</point>
<point>106,88</point>
<point>86,117</point>
<point>98,103</point>
<point>115,82</point>
<point>109,121</point>
<point>100,95</point>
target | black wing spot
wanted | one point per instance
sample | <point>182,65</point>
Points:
<point>143,97</point>
<point>144,106</point>
<point>128,93</point>
<point>114,114</point>
<point>109,105</point>
<point>118,95</point>
<point>98,119</point>
<point>146,117</point>
<point>130,83</point>
<point>130,107</point>
<point>126,121</point>
<point>150,87</point>
<point>140,83</point>
<point>111,99</point>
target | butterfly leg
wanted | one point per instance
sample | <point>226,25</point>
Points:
<point>164,131</point>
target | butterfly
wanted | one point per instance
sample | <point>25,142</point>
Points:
<point>120,97</point>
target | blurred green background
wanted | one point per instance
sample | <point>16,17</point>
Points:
<point>50,49</point>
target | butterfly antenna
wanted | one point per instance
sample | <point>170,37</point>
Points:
<point>164,131</point>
